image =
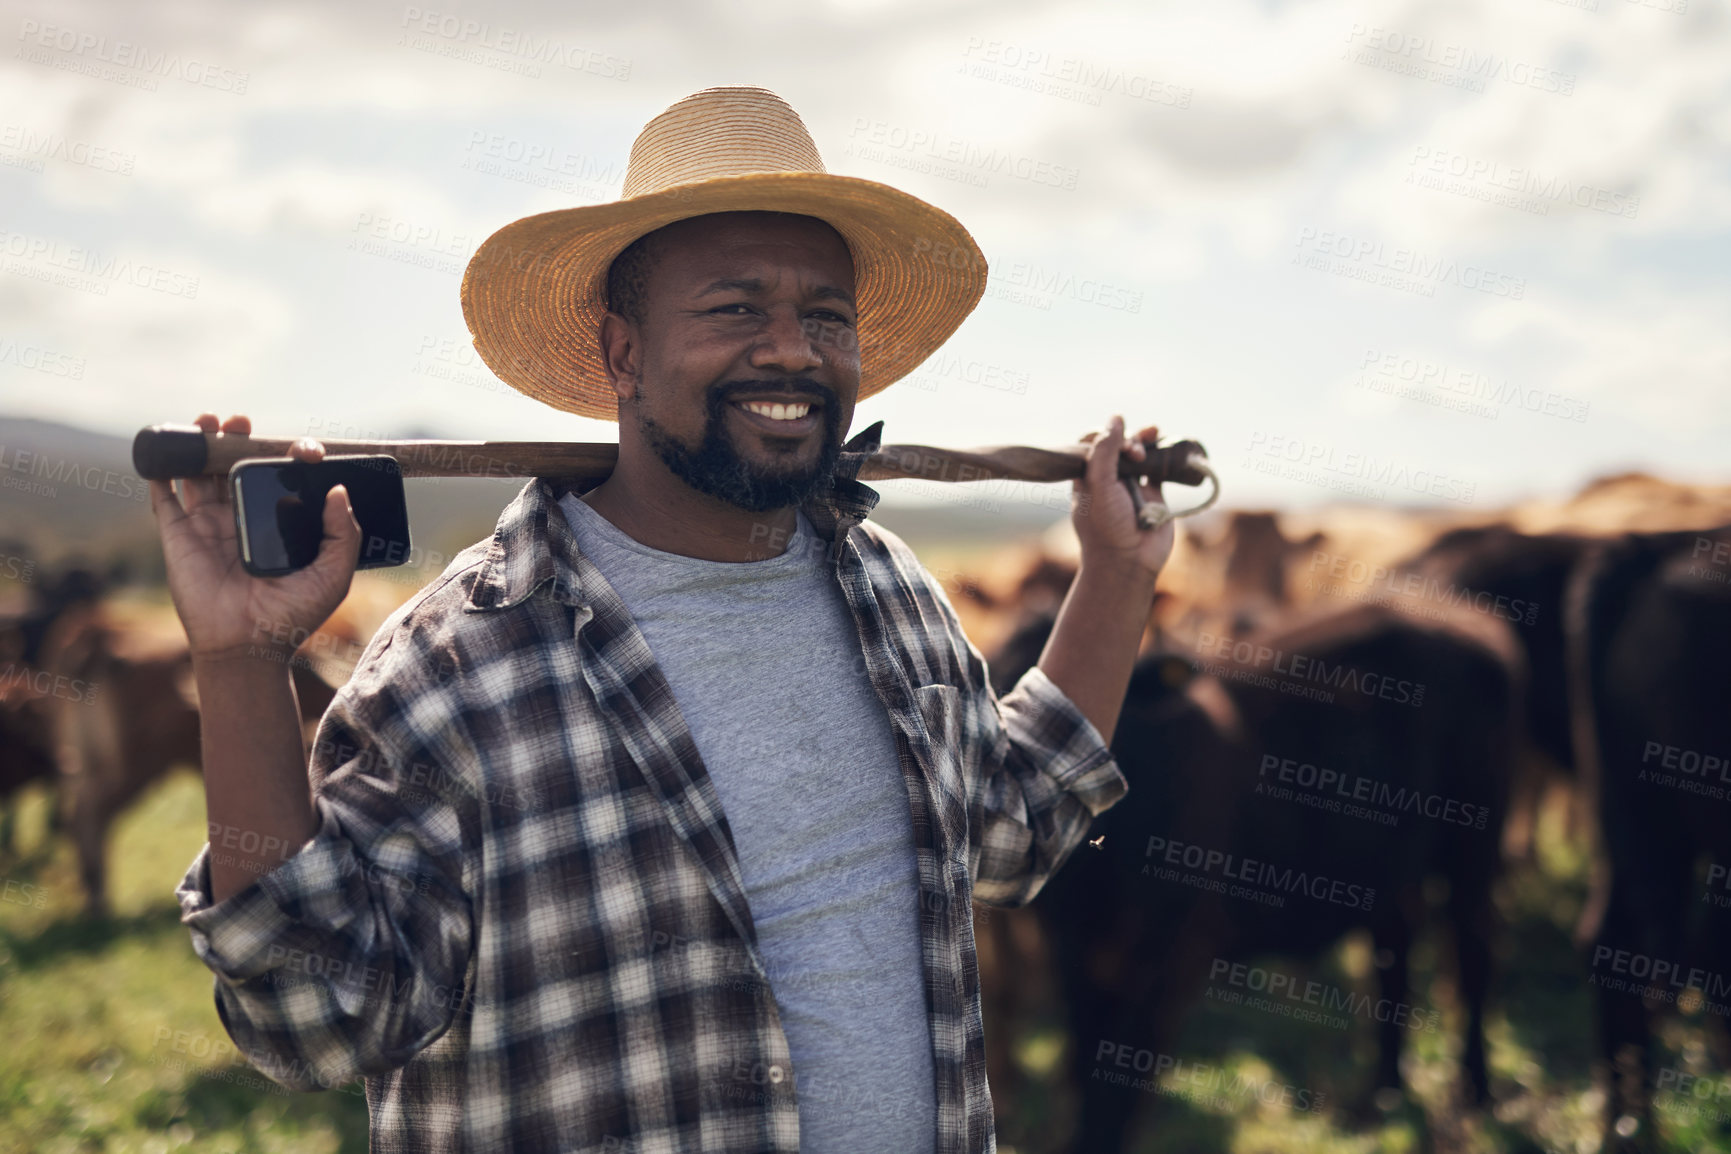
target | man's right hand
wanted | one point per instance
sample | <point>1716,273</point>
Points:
<point>227,612</point>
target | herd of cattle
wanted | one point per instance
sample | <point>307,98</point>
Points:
<point>96,711</point>
<point>1345,729</point>
<point>1368,757</point>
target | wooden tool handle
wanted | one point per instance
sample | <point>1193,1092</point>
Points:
<point>163,452</point>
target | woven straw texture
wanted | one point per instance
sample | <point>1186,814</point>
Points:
<point>535,292</point>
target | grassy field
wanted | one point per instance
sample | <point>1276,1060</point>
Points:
<point>113,1042</point>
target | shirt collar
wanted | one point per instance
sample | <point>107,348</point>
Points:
<point>533,543</point>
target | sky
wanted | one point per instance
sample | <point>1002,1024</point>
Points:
<point>1407,252</point>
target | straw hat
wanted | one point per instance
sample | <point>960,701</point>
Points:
<point>535,292</point>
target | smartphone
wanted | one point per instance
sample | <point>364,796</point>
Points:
<point>279,506</point>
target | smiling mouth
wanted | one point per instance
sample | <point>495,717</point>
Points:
<point>777,412</point>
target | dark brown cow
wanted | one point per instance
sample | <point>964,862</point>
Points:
<point>1518,578</point>
<point>1650,668</point>
<point>1241,781</point>
<point>1521,579</point>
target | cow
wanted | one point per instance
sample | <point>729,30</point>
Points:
<point>1229,580</point>
<point>119,721</point>
<point>1522,579</point>
<point>1241,775</point>
<point>1649,661</point>
<point>1257,557</point>
<point>26,751</point>
<point>26,711</point>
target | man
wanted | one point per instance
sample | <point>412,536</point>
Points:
<point>654,823</point>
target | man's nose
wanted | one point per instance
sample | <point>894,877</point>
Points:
<point>788,342</point>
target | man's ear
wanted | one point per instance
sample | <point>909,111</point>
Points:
<point>622,352</point>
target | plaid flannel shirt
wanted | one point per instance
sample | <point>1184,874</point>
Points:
<point>521,918</point>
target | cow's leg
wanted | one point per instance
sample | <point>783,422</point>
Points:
<point>90,830</point>
<point>1100,1032</point>
<point>1623,1040</point>
<point>1647,916</point>
<point>1393,944</point>
<point>1092,956</point>
<point>1473,914</point>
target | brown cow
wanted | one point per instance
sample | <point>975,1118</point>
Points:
<point>1257,556</point>
<point>119,722</point>
<point>1207,756</point>
<point>26,752</point>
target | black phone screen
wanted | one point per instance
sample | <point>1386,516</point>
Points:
<point>280,504</point>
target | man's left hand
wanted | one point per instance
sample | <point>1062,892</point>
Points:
<point>1104,515</point>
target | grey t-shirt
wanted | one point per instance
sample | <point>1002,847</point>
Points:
<point>765,663</point>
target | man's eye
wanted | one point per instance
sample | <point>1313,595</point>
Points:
<point>744,308</point>
<point>828,317</point>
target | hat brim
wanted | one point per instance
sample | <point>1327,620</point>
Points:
<point>535,292</point>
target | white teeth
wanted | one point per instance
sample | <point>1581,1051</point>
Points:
<point>779,412</point>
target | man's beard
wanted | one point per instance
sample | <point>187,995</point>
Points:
<point>717,469</point>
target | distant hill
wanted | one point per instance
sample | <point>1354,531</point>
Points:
<point>68,493</point>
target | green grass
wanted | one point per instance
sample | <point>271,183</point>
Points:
<point>112,1042</point>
